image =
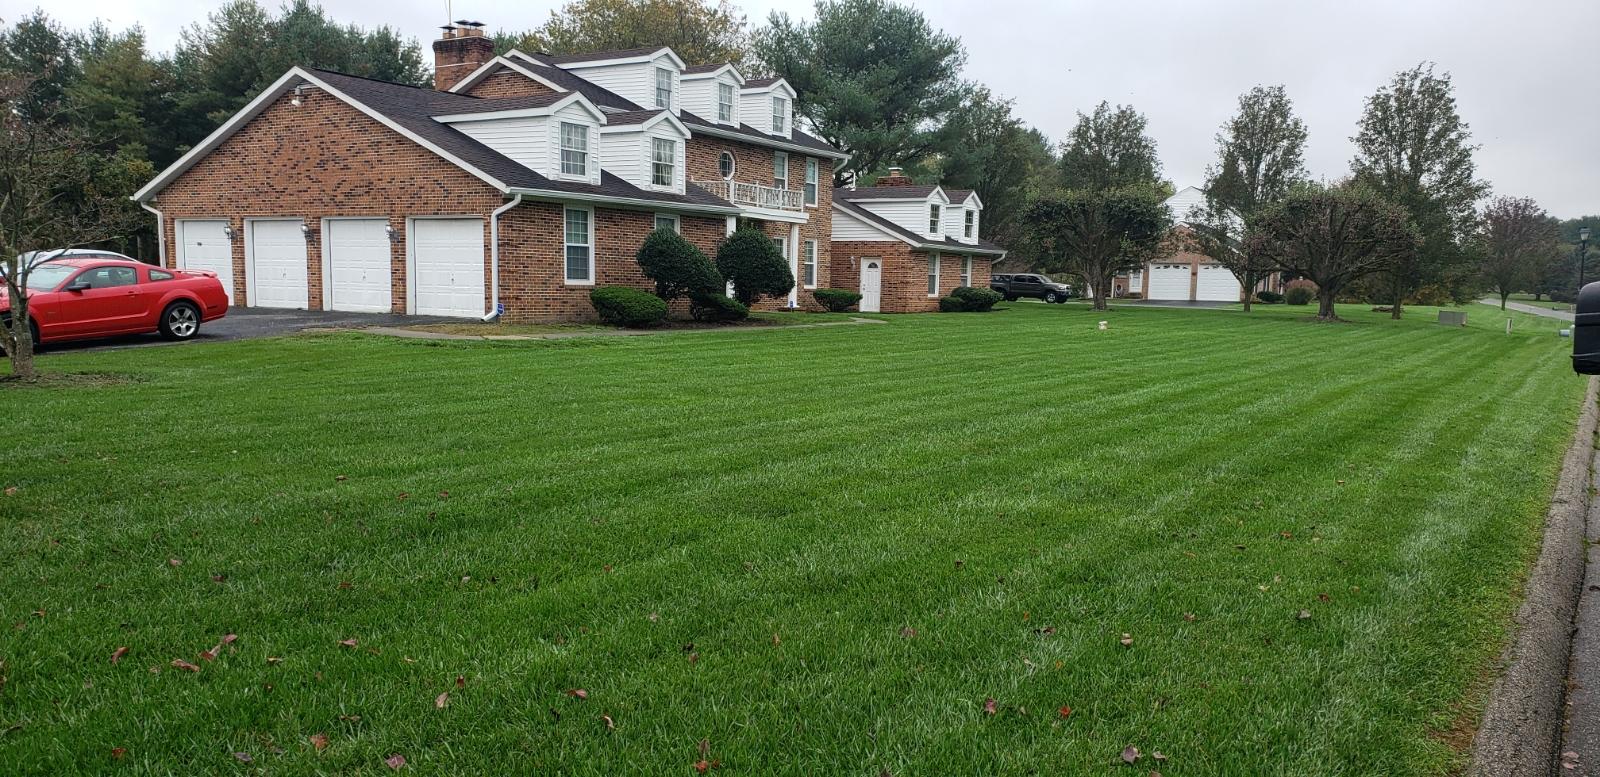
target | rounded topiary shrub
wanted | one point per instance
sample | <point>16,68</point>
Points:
<point>836,300</point>
<point>977,300</point>
<point>1269,297</point>
<point>754,264</point>
<point>952,305</point>
<point>678,268</point>
<point>627,306</point>
<point>717,307</point>
<point>1299,295</point>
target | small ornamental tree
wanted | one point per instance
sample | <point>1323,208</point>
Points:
<point>1097,235</point>
<point>1516,236</point>
<point>754,264</point>
<point>1332,237</point>
<point>678,268</point>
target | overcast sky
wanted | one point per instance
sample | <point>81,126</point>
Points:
<point>1527,72</point>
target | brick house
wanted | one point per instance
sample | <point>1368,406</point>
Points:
<point>514,187</point>
<point>904,246</point>
<point>1186,275</point>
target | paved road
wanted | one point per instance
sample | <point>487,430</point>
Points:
<point>248,323</point>
<point>1564,315</point>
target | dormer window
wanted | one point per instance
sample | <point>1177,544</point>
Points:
<point>663,88</point>
<point>574,149</point>
<point>933,219</point>
<point>972,223</point>
<point>663,161</point>
<point>725,103</point>
<point>780,116</point>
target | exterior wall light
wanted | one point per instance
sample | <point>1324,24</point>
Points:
<point>229,232</point>
<point>388,229</point>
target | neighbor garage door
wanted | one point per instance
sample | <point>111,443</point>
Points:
<point>204,245</point>
<point>1216,284</point>
<point>277,265</point>
<point>1169,281</point>
<point>447,266</point>
<point>358,274</point>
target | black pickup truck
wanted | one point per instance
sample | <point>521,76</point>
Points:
<point>1030,285</point>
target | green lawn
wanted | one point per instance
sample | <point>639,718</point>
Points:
<point>819,550</point>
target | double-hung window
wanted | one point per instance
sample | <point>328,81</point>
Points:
<point>574,149</point>
<point>933,275</point>
<point>780,116</point>
<point>666,221</point>
<point>933,219</point>
<point>725,102</point>
<point>811,181</point>
<point>663,88</point>
<point>809,268</point>
<point>966,272</point>
<point>972,223</point>
<point>780,170</point>
<point>580,246</point>
<point>663,161</point>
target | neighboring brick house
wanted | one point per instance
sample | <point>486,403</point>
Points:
<point>904,246</point>
<point>515,186</point>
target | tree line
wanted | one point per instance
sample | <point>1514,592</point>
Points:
<point>875,78</point>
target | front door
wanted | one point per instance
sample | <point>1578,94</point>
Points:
<point>871,284</point>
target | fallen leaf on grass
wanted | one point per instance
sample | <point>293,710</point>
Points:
<point>340,478</point>
<point>178,663</point>
<point>174,562</point>
<point>611,725</point>
<point>119,752</point>
<point>219,578</point>
<point>229,639</point>
<point>578,693</point>
<point>349,643</point>
<point>274,660</point>
<point>243,757</point>
<point>11,491</point>
<point>442,700</point>
<point>1130,754</point>
<point>1158,756</point>
<point>344,585</point>
<point>1323,597</point>
<point>210,655</point>
<point>396,761</point>
<point>775,640</point>
<point>989,706</point>
<point>694,657</point>
<point>461,681</point>
<point>319,741</point>
<point>908,632</point>
<point>116,655</point>
<point>1302,615</point>
<point>1127,640</point>
<point>1065,712</point>
<point>1189,616</point>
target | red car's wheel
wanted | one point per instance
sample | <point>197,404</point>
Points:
<point>180,321</point>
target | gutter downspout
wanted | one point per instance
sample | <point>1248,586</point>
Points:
<point>494,255</point>
<point>161,233</point>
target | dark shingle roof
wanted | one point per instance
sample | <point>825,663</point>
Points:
<point>633,117</point>
<point>895,229</point>
<point>958,195</point>
<point>414,108</point>
<point>692,69</point>
<point>756,83</point>
<point>597,56</point>
<point>493,104</point>
<point>600,96</point>
<point>757,136</point>
<point>885,192</point>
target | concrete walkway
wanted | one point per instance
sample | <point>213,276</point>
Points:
<point>1564,315</point>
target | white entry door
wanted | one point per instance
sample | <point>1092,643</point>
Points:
<point>204,245</point>
<point>1169,282</point>
<point>275,270</point>
<point>871,284</point>
<point>447,267</point>
<point>1216,284</point>
<point>357,276</point>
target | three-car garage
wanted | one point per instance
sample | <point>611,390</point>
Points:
<point>344,264</point>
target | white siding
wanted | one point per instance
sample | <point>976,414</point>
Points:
<point>848,227</point>
<point>755,109</point>
<point>636,81</point>
<point>700,96</point>
<point>525,140</point>
<point>908,215</point>
<point>574,114</point>
<point>620,154</point>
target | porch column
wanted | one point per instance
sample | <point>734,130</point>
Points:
<point>794,264</point>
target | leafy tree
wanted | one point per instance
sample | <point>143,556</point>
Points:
<point>38,49</point>
<point>700,32</point>
<point>1517,235</point>
<point>1108,149</point>
<point>55,193</point>
<point>755,266</point>
<point>1260,154</point>
<point>1413,148</point>
<point>1332,237</point>
<point>983,147</point>
<point>1099,234</point>
<point>677,266</point>
<point>872,77</point>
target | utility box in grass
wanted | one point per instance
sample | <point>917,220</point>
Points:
<point>1453,317</point>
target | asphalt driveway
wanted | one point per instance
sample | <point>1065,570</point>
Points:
<point>248,323</point>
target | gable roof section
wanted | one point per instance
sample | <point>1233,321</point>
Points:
<point>409,111</point>
<point>599,95</point>
<point>617,56</point>
<point>919,192</point>
<point>479,109</point>
<point>495,65</point>
<point>894,231</point>
<point>713,70</point>
<point>801,143</point>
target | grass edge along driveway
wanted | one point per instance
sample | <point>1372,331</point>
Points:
<point>817,551</point>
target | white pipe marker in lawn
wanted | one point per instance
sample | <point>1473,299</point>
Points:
<point>1508,326</point>
<point>1102,326</point>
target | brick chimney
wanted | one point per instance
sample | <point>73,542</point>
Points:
<point>896,177</point>
<point>462,49</point>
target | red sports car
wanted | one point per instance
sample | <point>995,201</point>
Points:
<point>86,294</point>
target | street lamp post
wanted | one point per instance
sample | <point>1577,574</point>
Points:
<point>1583,253</point>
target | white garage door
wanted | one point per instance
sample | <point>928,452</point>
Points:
<point>1169,281</point>
<point>1216,284</point>
<point>358,275</point>
<point>203,245</point>
<point>447,264</point>
<point>276,270</point>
